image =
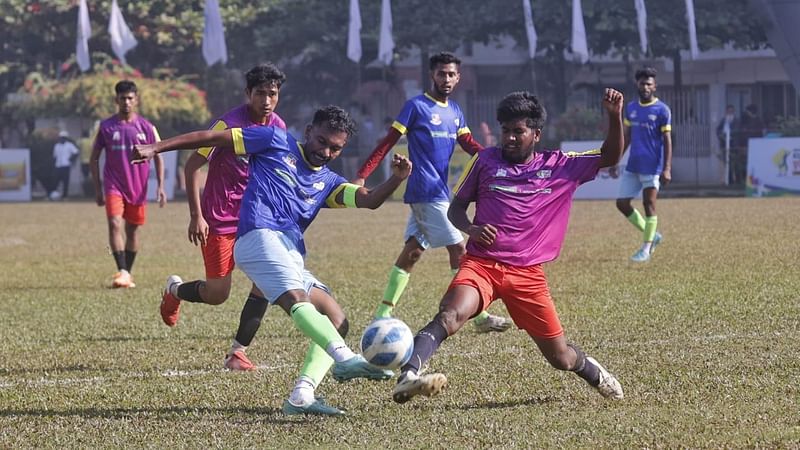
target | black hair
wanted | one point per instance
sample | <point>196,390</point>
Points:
<point>264,73</point>
<point>443,58</point>
<point>522,105</point>
<point>125,86</point>
<point>645,72</point>
<point>336,119</point>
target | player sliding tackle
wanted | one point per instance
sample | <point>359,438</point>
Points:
<point>289,183</point>
<point>522,202</point>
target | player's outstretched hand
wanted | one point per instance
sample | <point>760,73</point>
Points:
<point>612,101</point>
<point>483,234</point>
<point>401,166</point>
<point>198,230</point>
<point>142,153</point>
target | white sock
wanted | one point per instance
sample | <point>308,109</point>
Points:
<point>646,247</point>
<point>236,347</point>
<point>339,351</point>
<point>303,392</point>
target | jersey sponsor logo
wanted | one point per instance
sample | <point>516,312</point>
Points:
<point>443,134</point>
<point>519,189</point>
<point>435,119</point>
<point>115,136</point>
<point>544,173</point>
<point>290,160</point>
<point>287,177</point>
<point>501,173</point>
<point>320,185</point>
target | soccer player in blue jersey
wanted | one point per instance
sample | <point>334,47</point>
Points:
<point>434,124</point>
<point>647,130</point>
<point>289,183</point>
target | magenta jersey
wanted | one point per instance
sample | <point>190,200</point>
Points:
<point>117,138</point>
<point>227,173</point>
<point>528,203</point>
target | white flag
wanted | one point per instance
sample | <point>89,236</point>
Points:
<point>641,21</point>
<point>84,32</point>
<point>695,50</point>
<point>122,40</point>
<point>529,29</point>
<point>214,48</point>
<point>579,46</point>
<point>354,33</point>
<point>386,43</point>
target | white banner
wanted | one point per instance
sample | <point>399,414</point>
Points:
<point>15,175</point>
<point>773,167</point>
<point>386,41</point>
<point>170,171</point>
<point>580,49</point>
<point>606,184</point>
<point>122,40</point>
<point>214,48</point>
<point>84,33</point>
<point>530,30</point>
<point>354,33</point>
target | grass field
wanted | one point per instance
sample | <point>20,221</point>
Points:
<point>704,339</point>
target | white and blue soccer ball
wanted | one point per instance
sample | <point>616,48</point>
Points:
<point>387,343</point>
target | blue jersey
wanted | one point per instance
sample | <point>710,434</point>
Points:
<point>433,128</point>
<point>284,192</point>
<point>648,123</point>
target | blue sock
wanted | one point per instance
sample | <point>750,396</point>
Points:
<point>426,342</point>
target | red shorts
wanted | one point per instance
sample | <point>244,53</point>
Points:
<point>218,255</point>
<point>117,206</point>
<point>523,290</point>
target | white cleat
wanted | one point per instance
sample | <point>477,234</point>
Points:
<point>609,387</point>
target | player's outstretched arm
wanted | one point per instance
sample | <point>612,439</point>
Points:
<point>373,198</point>
<point>457,214</point>
<point>198,227</point>
<point>377,155</point>
<point>469,144</point>
<point>188,141</point>
<point>612,148</point>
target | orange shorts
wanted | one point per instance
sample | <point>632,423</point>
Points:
<point>523,290</point>
<point>218,255</point>
<point>117,206</point>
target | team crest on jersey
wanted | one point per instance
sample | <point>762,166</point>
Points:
<point>319,185</point>
<point>633,114</point>
<point>544,173</point>
<point>115,136</point>
<point>290,160</point>
<point>456,121</point>
<point>435,119</point>
<point>141,137</point>
<point>501,173</point>
<point>652,117</point>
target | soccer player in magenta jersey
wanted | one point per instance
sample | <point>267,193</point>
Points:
<point>522,200</point>
<point>647,130</point>
<point>213,222</point>
<point>289,183</point>
<point>124,190</point>
<point>434,123</point>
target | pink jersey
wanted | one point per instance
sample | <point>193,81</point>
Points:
<point>227,173</point>
<point>117,138</point>
<point>528,203</point>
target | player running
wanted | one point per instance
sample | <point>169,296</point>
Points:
<point>522,202</point>
<point>434,123</point>
<point>289,183</point>
<point>124,188</point>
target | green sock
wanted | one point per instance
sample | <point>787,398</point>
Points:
<point>315,325</point>
<point>398,280</point>
<point>316,364</point>
<point>480,318</point>
<point>651,224</point>
<point>637,220</point>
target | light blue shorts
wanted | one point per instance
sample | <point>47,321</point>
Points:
<point>271,260</point>
<point>429,225</point>
<point>632,183</point>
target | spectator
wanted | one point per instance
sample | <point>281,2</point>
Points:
<point>64,154</point>
<point>728,133</point>
<point>487,137</point>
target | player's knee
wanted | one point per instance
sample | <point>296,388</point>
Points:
<point>115,224</point>
<point>215,294</point>
<point>343,328</point>
<point>415,255</point>
<point>450,320</point>
<point>623,205</point>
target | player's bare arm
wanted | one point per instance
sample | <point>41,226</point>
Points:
<point>614,144</point>
<point>188,141</point>
<point>162,196</point>
<point>94,164</point>
<point>482,234</point>
<point>373,198</point>
<point>198,227</point>
<point>666,173</point>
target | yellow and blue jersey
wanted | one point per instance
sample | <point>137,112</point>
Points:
<point>433,128</point>
<point>648,123</point>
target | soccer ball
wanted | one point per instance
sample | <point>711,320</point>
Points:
<point>387,343</point>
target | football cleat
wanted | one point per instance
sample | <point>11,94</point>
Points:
<point>411,385</point>
<point>238,361</point>
<point>358,367</point>
<point>641,256</point>
<point>493,323</point>
<point>122,279</point>
<point>656,240</point>
<point>170,304</point>
<point>317,408</point>
<point>609,387</point>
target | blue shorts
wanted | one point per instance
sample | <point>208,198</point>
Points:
<point>429,225</point>
<point>632,183</point>
<point>272,261</point>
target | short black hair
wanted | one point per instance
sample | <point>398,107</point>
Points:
<point>336,119</point>
<point>125,86</point>
<point>645,72</point>
<point>443,58</point>
<point>522,105</point>
<point>264,73</point>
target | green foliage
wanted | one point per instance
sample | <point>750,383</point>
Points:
<point>580,124</point>
<point>788,126</point>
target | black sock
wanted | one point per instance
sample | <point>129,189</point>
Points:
<point>584,368</point>
<point>119,258</point>
<point>426,342</point>
<point>254,309</point>
<point>130,256</point>
<point>190,291</point>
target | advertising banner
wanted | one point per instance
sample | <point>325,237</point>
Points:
<point>15,175</point>
<point>773,167</point>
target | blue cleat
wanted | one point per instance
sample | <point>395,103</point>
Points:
<point>318,408</point>
<point>358,367</point>
<point>641,256</point>
<point>656,240</point>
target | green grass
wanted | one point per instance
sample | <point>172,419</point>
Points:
<point>704,339</point>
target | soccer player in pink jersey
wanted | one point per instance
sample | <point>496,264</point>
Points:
<point>213,221</point>
<point>522,201</point>
<point>124,186</point>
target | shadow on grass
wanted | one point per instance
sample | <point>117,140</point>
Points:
<point>126,413</point>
